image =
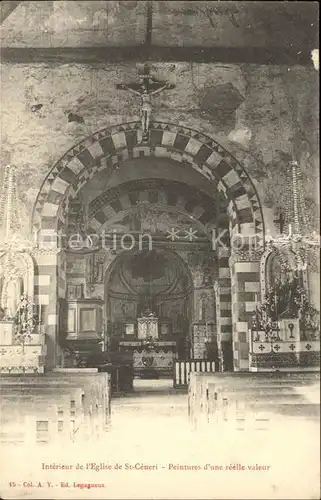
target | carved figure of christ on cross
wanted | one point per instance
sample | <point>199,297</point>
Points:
<point>149,87</point>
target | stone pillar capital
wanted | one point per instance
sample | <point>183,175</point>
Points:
<point>246,256</point>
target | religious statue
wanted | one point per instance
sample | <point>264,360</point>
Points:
<point>11,293</point>
<point>145,90</point>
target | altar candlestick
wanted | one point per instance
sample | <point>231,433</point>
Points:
<point>302,300</point>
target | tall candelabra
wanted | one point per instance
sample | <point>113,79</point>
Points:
<point>288,297</point>
<point>13,242</point>
<point>11,228</point>
<point>294,245</point>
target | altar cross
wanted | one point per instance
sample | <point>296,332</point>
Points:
<point>147,88</point>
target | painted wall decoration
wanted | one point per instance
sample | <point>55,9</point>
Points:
<point>155,280</point>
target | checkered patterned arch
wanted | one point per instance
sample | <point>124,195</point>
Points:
<point>110,146</point>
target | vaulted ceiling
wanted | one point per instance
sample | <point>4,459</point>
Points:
<point>189,202</point>
<point>232,31</point>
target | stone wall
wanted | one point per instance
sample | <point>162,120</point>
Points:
<point>264,115</point>
<point>175,23</point>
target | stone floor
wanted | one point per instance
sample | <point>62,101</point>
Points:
<point>153,453</point>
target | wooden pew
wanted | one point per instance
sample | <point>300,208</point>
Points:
<point>73,413</point>
<point>37,424</point>
<point>251,407</point>
<point>58,415</point>
<point>249,399</point>
<point>83,395</point>
<point>97,389</point>
<point>96,386</point>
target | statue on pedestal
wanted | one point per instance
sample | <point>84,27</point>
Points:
<point>11,293</point>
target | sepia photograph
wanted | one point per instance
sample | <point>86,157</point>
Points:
<point>159,250</point>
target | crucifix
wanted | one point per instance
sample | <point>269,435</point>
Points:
<point>147,88</point>
<point>280,221</point>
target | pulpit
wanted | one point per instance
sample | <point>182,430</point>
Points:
<point>83,329</point>
<point>84,319</point>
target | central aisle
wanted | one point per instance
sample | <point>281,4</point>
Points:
<point>152,401</point>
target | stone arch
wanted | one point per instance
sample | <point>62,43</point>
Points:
<point>113,204</point>
<point>153,206</point>
<point>107,148</point>
<point>110,146</point>
<point>113,259</point>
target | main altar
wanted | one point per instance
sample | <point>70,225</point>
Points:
<point>152,355</point>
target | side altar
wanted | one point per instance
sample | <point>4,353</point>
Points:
<point>21,353</point>
<point>152,355</point>
<point>284,331</point>
<point>284,346</point>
